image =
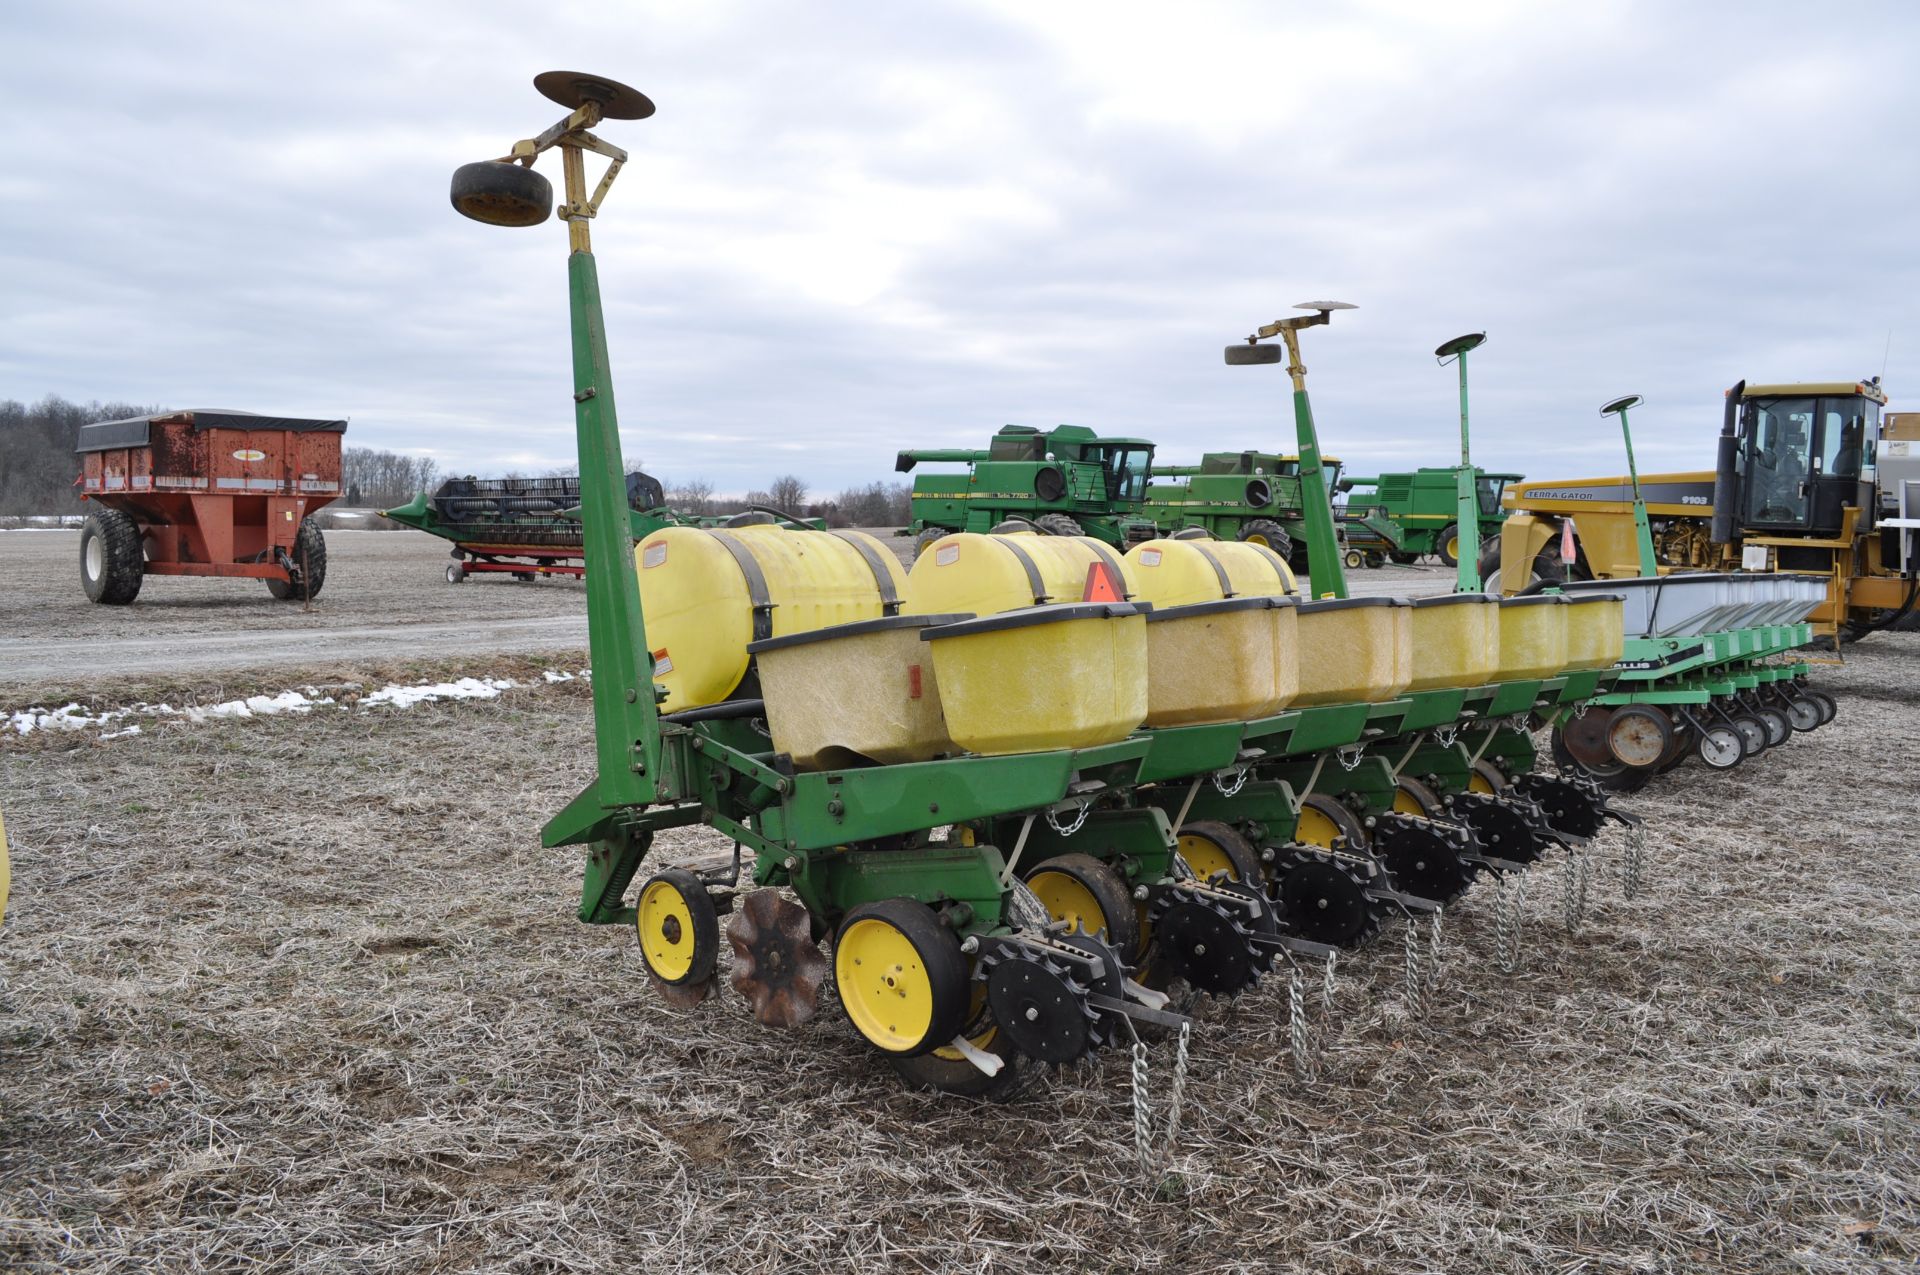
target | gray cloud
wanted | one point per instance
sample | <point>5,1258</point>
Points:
<point>856,226</point>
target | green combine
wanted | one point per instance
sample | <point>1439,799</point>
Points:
<point>1406,516</point>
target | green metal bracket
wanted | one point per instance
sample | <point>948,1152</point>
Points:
<point>1467,502</point>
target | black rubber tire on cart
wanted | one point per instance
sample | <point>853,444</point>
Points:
<point>113,557</point>
<point>309,566</point>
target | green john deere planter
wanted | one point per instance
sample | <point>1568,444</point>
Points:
<point>992,910</point>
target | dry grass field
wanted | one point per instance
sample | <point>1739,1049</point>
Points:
<point>303,993</point>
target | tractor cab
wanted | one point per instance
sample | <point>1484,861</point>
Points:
<point>1489,488</point>
<point>1806,454</point>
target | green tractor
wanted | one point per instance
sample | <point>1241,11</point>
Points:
<point>1065,481</point>
<point>1252,496</point>
<point>1407,515</point>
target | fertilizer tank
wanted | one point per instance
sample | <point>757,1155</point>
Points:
<point>989,574</point>
<point>1178,572</point>
<point>707,593</point>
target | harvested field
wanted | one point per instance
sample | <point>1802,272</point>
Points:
<point>303,993</point>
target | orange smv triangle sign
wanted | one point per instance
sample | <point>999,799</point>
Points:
<point>1101,586</point>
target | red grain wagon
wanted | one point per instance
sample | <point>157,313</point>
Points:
<point>206,493</point>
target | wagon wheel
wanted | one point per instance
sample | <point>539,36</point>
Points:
<point>309,571</point>
<point>112,557</point>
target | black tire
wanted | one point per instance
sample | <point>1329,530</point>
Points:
<point>501,194</point>
<point>1829,706</point>
<point>702,936</point>
<point>1403,557</point>
<point>940,956</point>
<point>1058,525</point>
<point>1490,567</point>
<point>1411,797</point>
<point>1448,535</point>
<point>456,573</point>
<point>1752,733</point>
<point>953,1075</point>
<point>1121,919</point>
<point>1230,845</point>
<point>525,577</point>
<point>1271,534</point>
<point>309,566</point>
<point>927,537</point>
<point>1344,821</point>
<point>1720,747</point>
<point>113,557</point>
<point>1375,561</point>
<point>1779,725</point>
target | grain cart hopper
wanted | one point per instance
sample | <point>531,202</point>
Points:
<point>206,493</point>
<point>1803,483</point>
<point>1067,481</point>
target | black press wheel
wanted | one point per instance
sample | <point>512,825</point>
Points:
<point>1446,546</point>
<point>113,559</point>
<point>309,566</point>
<point>1804,714</point>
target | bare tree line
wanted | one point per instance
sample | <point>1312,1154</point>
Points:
<point>37,464</point>
<point>874,505</point>
<point>383,479</point>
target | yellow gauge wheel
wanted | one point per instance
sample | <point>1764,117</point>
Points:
<point>1322,819</point>
<point>1210,848</point>
<point>901,975</point>
<point>1485,779</point>
<point>1411,797</point>
<point>1089,896</point>
<point>678,928</point>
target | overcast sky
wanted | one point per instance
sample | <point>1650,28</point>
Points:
<point>853,227</point>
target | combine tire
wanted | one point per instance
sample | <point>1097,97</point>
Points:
<point>1403,557</point>
<point>113,560</point>
<point>309,566</point>
<point>1447,545</point>
<point>1058,525</point>
<point>1265,531</point>
<point>926,538</point>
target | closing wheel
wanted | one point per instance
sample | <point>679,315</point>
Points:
<point>1447,545</point>
<point>1422,856</point>
<point>1639,735</point>
<point>1804,714</point>
<point>1323,896</point>
<point>901,976</point>
<point>1487,778</point>
<point>1322,819</point>
<point>1091,898</point>
<point>679,930</point>
<point>1829,707</point>
<point>1199,939</point>
<point>1779,726</point>
<point>947,1070</point>
<point>1411,797</point>
<point>501,193</point>
<point>1752,733</point>
<point>1210,847</point>
<point>1721,747</point>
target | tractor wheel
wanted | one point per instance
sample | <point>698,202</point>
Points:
<point>309,566</point>
<point>1058,525</point>
<point>901,976</point>
<point>113,559</point>
<point>1446,545</point>
<point>927,538</point>
<point>1265,531</point>
<point>1210,847</point>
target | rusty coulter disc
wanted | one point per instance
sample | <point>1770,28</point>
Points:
<point>776,964</point>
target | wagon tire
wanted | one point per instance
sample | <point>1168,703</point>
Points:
<point>309,566</point>
<point>113,559</point>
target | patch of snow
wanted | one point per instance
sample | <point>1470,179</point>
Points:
<point>465,688</point>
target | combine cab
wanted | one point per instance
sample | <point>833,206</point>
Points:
<point>1803,483</point>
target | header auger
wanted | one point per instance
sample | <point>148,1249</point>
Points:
<point>1038,794</point>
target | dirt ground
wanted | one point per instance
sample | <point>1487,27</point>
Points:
<point>386,598</point>
<point>303,993</point>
